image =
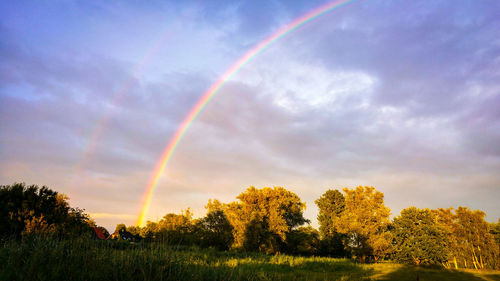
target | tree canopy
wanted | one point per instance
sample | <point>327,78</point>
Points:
<point>262,218</point>
<point>216,229</point>
<point>365,221</point>
<point>331,205</point>
<point>38,210</point>
<point>418,239</point>
<point>352,223</point>
<point>471,245</point>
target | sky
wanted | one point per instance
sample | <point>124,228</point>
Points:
<point>400,95</point>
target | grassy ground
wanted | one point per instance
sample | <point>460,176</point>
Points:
<point>45,259</point>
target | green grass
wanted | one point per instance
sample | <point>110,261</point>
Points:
<point>48,259</point>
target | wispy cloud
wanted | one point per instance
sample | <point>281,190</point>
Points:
<point>400,95</point>
<point>113,216</point>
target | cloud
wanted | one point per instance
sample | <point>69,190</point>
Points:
<point>402,96</point>
<point>402,118</point>
<point>53,107</point>
<point>112,216</point>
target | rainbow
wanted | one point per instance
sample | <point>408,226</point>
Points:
<point>103,121</point>
<point>214,88</point>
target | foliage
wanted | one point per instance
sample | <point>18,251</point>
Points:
<point>331,205</point>
<point>27,210</point>
<point>134,230</point>
<point>120,227</point>
<point>264,220</point>
<point>495,231</point>
<point>365,222</point>
<point>471,245</point>
<point>216,230</point>
<point>176,229</point>
<point>263,217</point>
<point>304,241</point>
<point>333,246</point>
<point>418,238</point>
<point>213,230</point>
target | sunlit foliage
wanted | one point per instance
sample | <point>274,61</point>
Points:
<point>495,231</point>
<point>365,222</point>
<point>262,218</point>
<point>471,245</point>
<point>354,223</point>
<point>418,238</point>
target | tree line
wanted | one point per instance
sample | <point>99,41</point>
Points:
<point>353,223</point>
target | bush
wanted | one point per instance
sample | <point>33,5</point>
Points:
<point>27,210</point>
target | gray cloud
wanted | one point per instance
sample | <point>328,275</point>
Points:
<point>430,123</point>
<point>402,96</point>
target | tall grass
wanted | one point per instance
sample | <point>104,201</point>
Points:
<point>35,258</point>
<point>83,259</point>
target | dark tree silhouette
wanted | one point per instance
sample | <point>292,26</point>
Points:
<point>34,210</point>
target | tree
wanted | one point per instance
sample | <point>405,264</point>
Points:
<point>173,221</point>
<point>149,231</point>
<point>418,238</point>
<point>176,229</point>
<point>495,231</point>
<point>365,222</point>
<point>303,241</point>
<point>134,230</point>
<point>216,228</point>
<point>471,245</point>
<point>476,240</point>
<point>39,210</point>
<point>331,205</point>
<point>262,218</point>
<point>120,228</point>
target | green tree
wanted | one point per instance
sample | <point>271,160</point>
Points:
<point>120,228</point>
<point>418,238</point>
<point>331,205</point>
<point>365,222</point>
<point>149,231</point>
<point>216,230</point>
<point>36,210</point>
<point>173,221</point>
<point>495,231</point>
<point>177,229</point>
<point>134,230</point>
<point>304,241</point>
<point>262,218</point>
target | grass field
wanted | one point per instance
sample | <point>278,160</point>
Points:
<point>46,259</point>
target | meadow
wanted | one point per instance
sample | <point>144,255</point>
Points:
<point>36,258</point>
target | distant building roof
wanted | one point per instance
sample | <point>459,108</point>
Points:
<point>99,233</point>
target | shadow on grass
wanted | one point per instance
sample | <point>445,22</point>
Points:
<point>41,259</point>
<point>46,259</point>
<point>413,273</point>
<point>309,270</point>
<point>492,276</point>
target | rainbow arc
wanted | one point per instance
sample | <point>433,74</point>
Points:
<point>213,90</point>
